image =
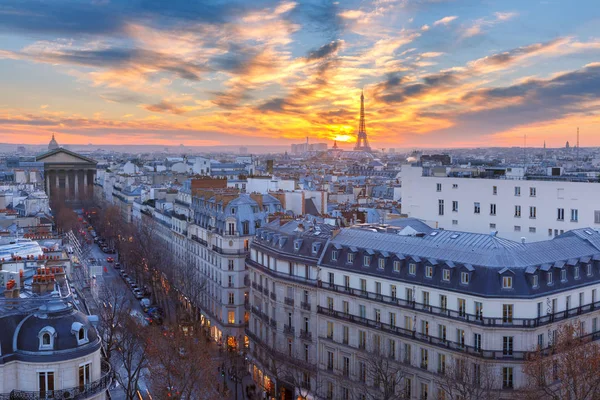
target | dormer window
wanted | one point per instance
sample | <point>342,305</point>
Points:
<point>589,270</point>
<point>464,278</point>
<point>563,275</point>
<point>412,269</point>
<point>350,258</point>
<point>535,281</point>
<point>233,210</point>
<point>576,272</point>
<point>334,255</point>
<point>428,271</point>
<point>507,282</point>
<point>46,337</point>
<point>80,332</point>
<point>396,266</point>
<point>382,263</point>
<point>296,245</point>
<point>366,261</point>
<point>446,275</point>
<point>549,278</point>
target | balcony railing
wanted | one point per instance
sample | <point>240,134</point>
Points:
<point>486,354</point>
<point>477,319</point>
<point>281,275</point>
<point>266,291</point>
<point>201,241</point>
<point>75,393</point>
<point>273,296</point>
<point>279,355</point>
<point>305,306</point>
<point>221,250</point>
<point>259,288</point>
<point>306,335</point>
<point>254,285</point>
<point>289,330</point>
<point>289,301</point>
<point>273,323</point>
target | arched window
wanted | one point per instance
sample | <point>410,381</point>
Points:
<point>80,332</point>
<point>46,337</point>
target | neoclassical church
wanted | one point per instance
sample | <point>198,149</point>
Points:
<point>67,173</point>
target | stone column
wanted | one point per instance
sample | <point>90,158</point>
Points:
<point>76,183</point>
<point>85,181</point>
<point>57,182</point>
<point>67,193</point>
<point>47,183</point>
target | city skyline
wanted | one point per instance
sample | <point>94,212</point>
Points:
<point>435,73</point>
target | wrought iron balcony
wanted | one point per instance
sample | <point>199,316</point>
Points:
<point>273,323</point>
<point>266,291</point>
<point>289,301</point>
<point>305,306</point>
<point>306,335</point>
<point>259,288</point>
<point>273,296</point>
<point>477,319</point>
<point>289,330</point>
<point>75,393</point>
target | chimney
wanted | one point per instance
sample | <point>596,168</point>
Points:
<point>523,239</point>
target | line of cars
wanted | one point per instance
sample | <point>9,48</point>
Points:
<point>154,314</point>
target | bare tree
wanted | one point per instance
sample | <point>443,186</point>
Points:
<point>131,356</point>
<point>380,378</point>
<point>179,365</point>
<point>568,370</point>
<point>114,309</point>
<point>464,379</point>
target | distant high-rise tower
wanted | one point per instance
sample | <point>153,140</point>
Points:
<point>362,143</point>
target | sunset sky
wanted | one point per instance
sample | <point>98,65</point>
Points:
<point>435,73</point>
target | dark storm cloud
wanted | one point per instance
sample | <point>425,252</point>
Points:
<point>324,51</point>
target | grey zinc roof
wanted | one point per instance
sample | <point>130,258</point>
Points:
<point>473,248</point>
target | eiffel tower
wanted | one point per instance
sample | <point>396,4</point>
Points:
<point>362,143</point>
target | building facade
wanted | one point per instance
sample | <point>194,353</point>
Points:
<point>224,224</point>
<point>68,174</point>
<point>52,351</point>
<point>415,306</point>
<point>283,325</point>
<point>516,208</point>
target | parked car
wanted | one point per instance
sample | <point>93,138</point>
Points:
<point>145,303</point>
<point>117,265</point>
<point>137,294</point>
<point>129,281</point>
<point>140,318</point>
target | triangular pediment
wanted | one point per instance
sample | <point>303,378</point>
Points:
<point>63,156</point>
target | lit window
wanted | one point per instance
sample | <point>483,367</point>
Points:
<point>231,317</point>
<point>446,275</point>
<point>428,271</point>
